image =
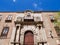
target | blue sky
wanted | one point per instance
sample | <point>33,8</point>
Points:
<point>35,5</point>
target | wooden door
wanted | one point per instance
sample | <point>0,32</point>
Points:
<point>29,38</point>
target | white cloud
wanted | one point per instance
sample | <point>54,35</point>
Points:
<point>35,4</point>
<point>14,0</point>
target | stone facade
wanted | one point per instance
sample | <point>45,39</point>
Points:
<point>37,22</point>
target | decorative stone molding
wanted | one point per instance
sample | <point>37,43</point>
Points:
<point>28,28</point>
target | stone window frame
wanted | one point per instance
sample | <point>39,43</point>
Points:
<point>4,32</point>
<point>28,14</point>
<point>9,17</point>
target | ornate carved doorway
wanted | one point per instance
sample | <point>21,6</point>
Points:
<point>28,38</point>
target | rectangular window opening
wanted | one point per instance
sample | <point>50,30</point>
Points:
<point>4,32</point>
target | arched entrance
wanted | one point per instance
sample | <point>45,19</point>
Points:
<point>28,38</point>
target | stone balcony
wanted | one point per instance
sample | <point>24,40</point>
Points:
<point>28,17</point>
<point>29,20</point>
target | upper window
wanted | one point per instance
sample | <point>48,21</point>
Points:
<point>52,18</point>
<point>0,17</point>
<point>5,31</point>
<point>28,14</point>
<point>9,18</point>
<point>28,17</point>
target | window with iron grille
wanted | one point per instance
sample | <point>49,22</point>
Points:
<point>9,18</point>
<point>4,32</point>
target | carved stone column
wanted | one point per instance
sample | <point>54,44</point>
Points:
<point>17,34</point>
<point>12,36</point>
<point>21,39</point>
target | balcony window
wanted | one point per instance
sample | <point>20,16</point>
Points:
<point>28,18</point>
<point>4,31</point>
